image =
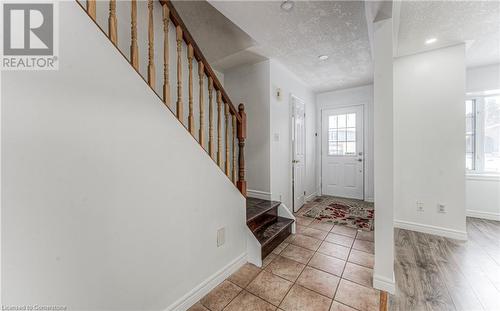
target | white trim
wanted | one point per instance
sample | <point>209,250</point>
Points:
<point>284,211</point>
<point>259,194</point>
<point>193,296</point>
<point>311,196</point>
<point>385,284</point>
<point>482,176</point>
<point>371,200</point>
<point>445,232</point>
<point>483,215</point>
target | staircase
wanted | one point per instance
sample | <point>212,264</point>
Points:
<point>264,222</point>
<point>226,123</point>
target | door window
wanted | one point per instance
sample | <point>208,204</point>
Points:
<point>342,135</point>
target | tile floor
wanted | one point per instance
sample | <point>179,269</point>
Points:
<point>320,268</point>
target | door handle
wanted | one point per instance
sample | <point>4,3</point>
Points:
<point>295,161</point>
<point>360,160</point>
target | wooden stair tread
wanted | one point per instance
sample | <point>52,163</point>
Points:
<point>267,233</point>
<point>258,207</point>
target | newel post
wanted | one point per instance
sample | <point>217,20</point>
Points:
<point>242,135</point>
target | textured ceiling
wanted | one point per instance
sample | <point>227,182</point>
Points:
<point>312,28</point>
<point>475,22</point>
<point>216,35</point>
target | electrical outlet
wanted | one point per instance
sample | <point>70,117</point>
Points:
<point>420,206</point>
<point>221,237</point>
<point>441,208</point>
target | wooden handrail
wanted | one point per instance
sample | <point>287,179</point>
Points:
<point>231,159</point>
<point>176,19</point>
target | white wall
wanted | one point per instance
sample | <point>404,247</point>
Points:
<point>250,85</point>
<point>281,152</point>
<point>383,112</point>
<point>98,211</point>
<point>268,158</point>
<point>362,95</point>
<point>429,141</point>
<point>484,78</point>
<point>482,193</point>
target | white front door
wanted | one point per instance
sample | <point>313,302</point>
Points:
<point>298,153</point>
<point>342,152</point>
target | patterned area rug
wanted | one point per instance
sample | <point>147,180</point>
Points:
<point>349,212</point>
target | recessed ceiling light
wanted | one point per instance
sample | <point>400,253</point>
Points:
<point>430,40</point>
<point>323,57</point>
<point>287,5</point>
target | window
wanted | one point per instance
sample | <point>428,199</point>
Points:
<point>342,134</point>
<point>482,134</point>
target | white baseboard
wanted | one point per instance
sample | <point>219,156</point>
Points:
<point>385,284</point>
<point>311,196</point>
<point>444,232</point>
<point>371,200</point>
<point>259,194</point>
<point>193,296</point>
<point>483,215</point>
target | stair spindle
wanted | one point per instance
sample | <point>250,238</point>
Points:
<point>180,108</point>
<point>242,134</point>
<point>166,82</point>
<point>219,129</point>
<point>211,118</point>
<point>201,74</point>
<point>112,28</point>
<point>228,159</point>
<point>233,175</point>
<point>151,50</point>
<point>91,8</point>
<point>190,90</point>
<point>134,48</point>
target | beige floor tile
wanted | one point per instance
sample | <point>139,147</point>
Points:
<point>286,268</point>
<point>365,235</point>
<point>198,307</point>
<point>303,299</point>
<point>246,301</point>
<point>314,233</point>
<point>290,238</point>
<point>269,258</point>
<point>303,221</point>
<point>339,239</point>
<point>220,296</point>
<point>361,258</point>
<point>297,253</point>
<point>280,248</point>
<point>358,274</point>
<point>326,263</point>
<point>269,287</point>
<point>334,250</point>
<point>337,306</point>
<point>344,230</point>
<point>306,242</point>
<point>364,246</point>
<point>319,281</point>
<point>357,296</point>
<point>244,275</point>
<point>300,229</point>
<point>321,225</point>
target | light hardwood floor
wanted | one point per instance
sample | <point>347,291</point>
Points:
<point>435,273</point>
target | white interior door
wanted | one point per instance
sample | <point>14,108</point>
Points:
<point>342,152</point>
<point>298,153</point>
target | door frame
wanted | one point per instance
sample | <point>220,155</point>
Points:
<point>320,158</point>
<point>291,119</point>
